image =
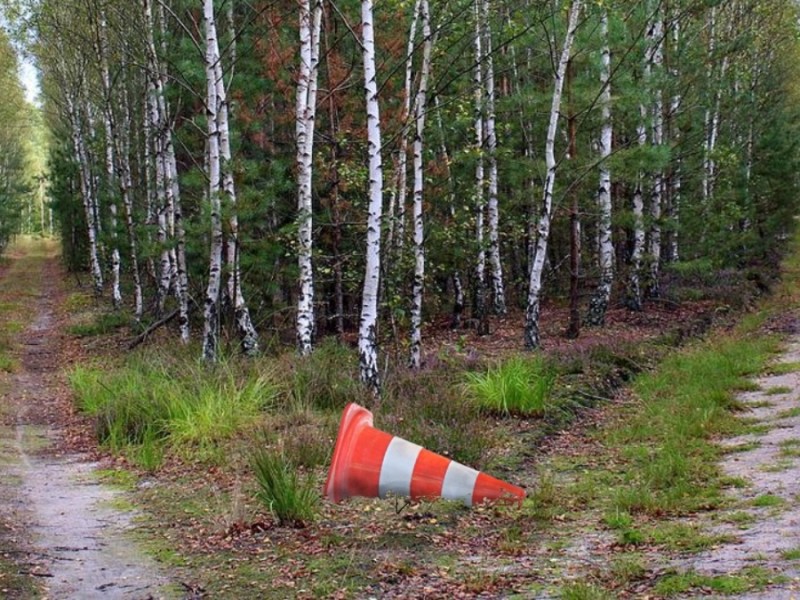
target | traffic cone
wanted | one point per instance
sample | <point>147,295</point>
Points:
<point>369,462</point>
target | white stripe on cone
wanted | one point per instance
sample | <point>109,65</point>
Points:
<point>398,467</point>
<point>459,483</point>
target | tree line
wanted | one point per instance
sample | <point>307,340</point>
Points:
<point>348,167</point>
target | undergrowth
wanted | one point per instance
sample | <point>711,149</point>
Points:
<point>156,402</point>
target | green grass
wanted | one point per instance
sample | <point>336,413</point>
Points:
<point>747,579</point>
<point>517,386</point>
<point>100,324</point>
<point>779,389</point>
<point>584,591</point>
<point>791,554</point>
<point>157,402</point>
<point>684,537</point>
<point>767,500</point>
<point>783,368</point>
<point>667,443</point>
<point>292,498</point>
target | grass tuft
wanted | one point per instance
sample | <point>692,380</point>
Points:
<point>517,386</point>
<point>290,497</point>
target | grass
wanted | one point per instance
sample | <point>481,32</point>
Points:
<point>584,591</point>
<point>156,403</point>
<point>667,444</point>
<point>767,501</point>
<point>100,324</point>
<point>791,554</point>
<point>292,498</point>
<point>746,580</point>
<point>777,390</point>
<point>516,386</point>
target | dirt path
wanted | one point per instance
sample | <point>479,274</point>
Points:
<point>69,535</point>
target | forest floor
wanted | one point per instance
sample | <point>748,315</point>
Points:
<point>197,518</point>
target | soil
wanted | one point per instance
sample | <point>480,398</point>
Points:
<point>63,527</point>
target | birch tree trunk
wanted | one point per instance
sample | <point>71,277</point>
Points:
<point>532,335</point>
<point>87,193</point>
<point>602,296</point>
<point>173,272</point>
<point>479,299</point>
<point>397,204</point>
<point>634,300</point>
<point>493,214</point>
<point>110,159</point>
<point>420,106</point>
<point>310,26</point>
<point>368,326</point>
<point>126,187</point>
<point>656,195</point>
<point>247,333</point>
<point>211,306</point>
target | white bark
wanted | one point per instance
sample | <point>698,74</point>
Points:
<point>532,336</point>
<point>244,324</point>
<point>173,272</point>
<point>676,175</point>
<point>480,202</point>
<point>420,107</point>
<point>398,219</point>
<point>599,303</point>
<point>634,280</point>
<point>126,187</point>
<point>87,193</point>
<point>368,326</point>
<point>310,27</point>
<point>656,46</point>
<point>211,307</point>
<point>110,159</point>
<point>493,214</point>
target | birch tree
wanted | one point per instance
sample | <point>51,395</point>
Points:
<point>532,334</point>
<point>211,305</point>
<point>655,61</point>
<point>602,296</point>
<point>368,326</point>
<point>241,313</point>
<point>479,295</point>
<point>493,213</point>
<point>420,107</point>
<point>310,27</point>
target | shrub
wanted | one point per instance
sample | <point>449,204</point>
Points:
<point>517,386</point>
<point>290,497</point>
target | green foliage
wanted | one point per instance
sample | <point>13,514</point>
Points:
<point>291,497</point>
<point>517,386</point>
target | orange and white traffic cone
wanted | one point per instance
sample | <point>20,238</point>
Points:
<point>369,462</point>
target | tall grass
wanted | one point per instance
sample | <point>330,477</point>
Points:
<point>517,386</point>
<point>291,497</point>
<point>157,401</point>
